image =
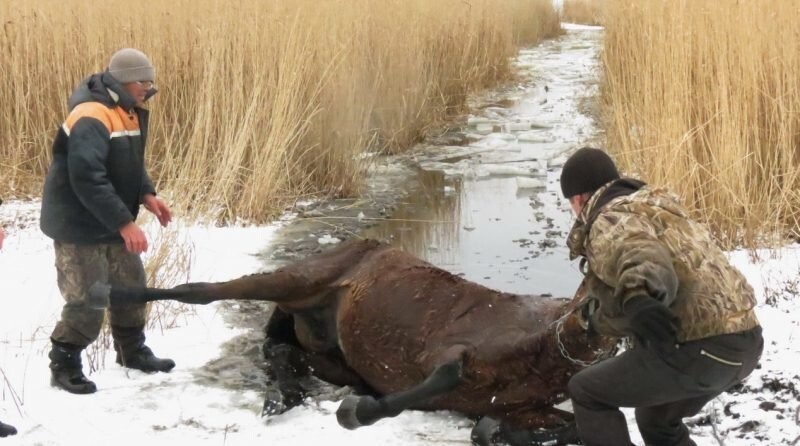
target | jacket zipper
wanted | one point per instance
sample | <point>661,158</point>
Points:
<point>718,359</point>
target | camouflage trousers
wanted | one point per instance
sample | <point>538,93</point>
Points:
<point>80,266</point>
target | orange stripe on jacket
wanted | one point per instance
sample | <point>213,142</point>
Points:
<point>115,120</point>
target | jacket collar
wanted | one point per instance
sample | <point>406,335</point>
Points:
<point>576,240</point>
<point>117,92</point>
<point>104,88</point>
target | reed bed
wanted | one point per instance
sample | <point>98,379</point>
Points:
<point>260,101</point>
<point>704,97</point>
<point>584,12</point>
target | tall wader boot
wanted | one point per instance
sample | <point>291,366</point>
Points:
<point>6,430</point>
<point>132,353</point>
<point>67,371</point>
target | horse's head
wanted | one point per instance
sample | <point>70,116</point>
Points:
<point>576,339</point>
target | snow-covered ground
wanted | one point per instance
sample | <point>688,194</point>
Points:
<point>185,407</point>
<point>133,408</point>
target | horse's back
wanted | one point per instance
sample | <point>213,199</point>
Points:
<point>400,317</point>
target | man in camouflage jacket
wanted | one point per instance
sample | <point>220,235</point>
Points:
<point>657,277</point>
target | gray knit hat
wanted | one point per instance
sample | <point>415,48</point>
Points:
<point>130,65</point>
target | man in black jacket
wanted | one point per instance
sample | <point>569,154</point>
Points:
<point>91,198</point>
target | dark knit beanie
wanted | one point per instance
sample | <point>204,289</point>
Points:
<point>130,65</point>
<point>585,171</point>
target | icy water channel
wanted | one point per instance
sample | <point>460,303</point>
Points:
<point>482,200</point>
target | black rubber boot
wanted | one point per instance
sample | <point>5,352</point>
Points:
<point>132,353</point>
<point>491,432</point>
<point>7,430</point>
<point>67,371</point>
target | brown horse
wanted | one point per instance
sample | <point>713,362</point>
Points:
<point>375,317</point>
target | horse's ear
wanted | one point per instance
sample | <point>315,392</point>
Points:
<point>572,323</point>
<point>581,295</point>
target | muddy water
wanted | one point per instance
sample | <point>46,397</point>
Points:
<point>481,200</point>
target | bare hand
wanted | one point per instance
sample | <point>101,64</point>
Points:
<point>157,207</point>
<point>135,239</point>
<point>2,236</point>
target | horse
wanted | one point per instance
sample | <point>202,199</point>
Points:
<point>409,335</point>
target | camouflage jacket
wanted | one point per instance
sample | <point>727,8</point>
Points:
<point>646,242</point>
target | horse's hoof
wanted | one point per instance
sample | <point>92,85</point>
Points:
<point>346,413</point>
<point>278,400</point>
<point>274,403</point>
<point>358,411</point>
<point>485,432</point>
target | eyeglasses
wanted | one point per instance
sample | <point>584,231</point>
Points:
<point>145,84</point>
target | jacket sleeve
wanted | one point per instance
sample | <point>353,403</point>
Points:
<point>89,143</point>
<point>147,185</point>
<point>627,255</point>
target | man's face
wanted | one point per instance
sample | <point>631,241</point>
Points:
<point>138,90</point>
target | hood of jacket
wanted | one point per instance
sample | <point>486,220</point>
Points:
<point>103,88</point>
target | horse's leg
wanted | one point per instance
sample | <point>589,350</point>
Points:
<point>332,368</point>
<point>282,285</point>
<point>357,411</point>
<point>287,363</point>
<point>301,279</point>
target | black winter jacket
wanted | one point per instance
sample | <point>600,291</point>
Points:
<point>97,179</point>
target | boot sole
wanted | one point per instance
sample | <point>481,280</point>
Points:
<point>8,434</point>
<point>135,366</point>
<point>86,391</point>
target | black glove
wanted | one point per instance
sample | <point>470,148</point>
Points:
<point>651,321</point>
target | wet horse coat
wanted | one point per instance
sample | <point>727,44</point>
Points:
<point>417,335</point>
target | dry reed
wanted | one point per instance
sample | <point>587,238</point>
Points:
<point>585,12</point>
<point>261,101</point>
<point>167,264</point>
<point>703,97</point>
